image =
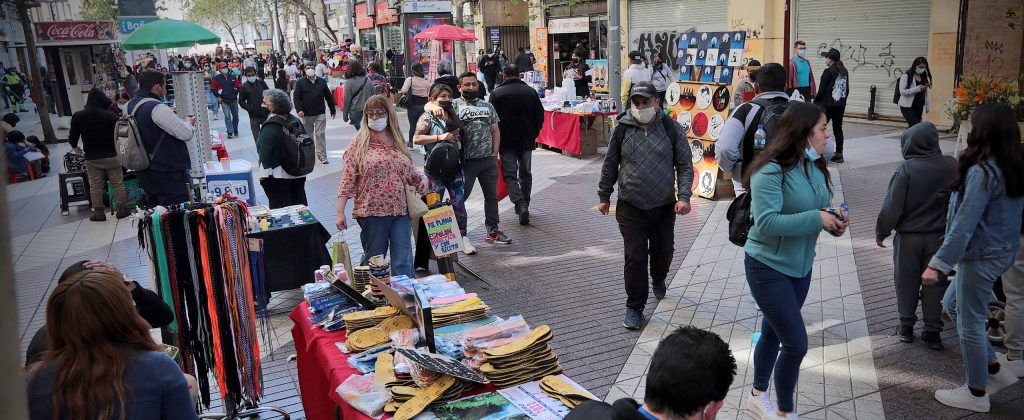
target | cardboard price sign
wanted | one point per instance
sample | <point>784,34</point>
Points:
<point>443,231</point>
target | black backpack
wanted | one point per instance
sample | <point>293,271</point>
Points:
<point>896,95</point>
<point>740,219</point>
<point>298,153</point>
<point>443,161</point>
<point>770,113</point>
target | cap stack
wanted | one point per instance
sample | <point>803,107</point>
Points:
<point>558,389</point>
<point>460,313</point>
<point>524,360</point>
<point>355,321</point>
<point>368,338</point>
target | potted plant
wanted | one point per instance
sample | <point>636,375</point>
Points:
<point>975,91</point>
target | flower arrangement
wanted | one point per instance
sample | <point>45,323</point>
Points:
<point>975,91</point>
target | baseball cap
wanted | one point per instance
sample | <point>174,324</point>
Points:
<point>635,56</point>
<point>645,89</point>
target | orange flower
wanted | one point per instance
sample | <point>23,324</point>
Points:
<point>979,99</point>
<point>960,92</point>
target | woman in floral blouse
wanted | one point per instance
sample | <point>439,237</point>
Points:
<point>377,167</point>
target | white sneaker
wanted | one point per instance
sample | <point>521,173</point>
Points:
<point>1000,380</point>
<point>762,406</point>
<point>962,398</point>
<point>1016,367</point>
<point>467,248</point>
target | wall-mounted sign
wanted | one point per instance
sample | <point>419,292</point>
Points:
<point>385,14</point>
<point>74,31</point>
<point>568,26</point>
<point>128,24</point>
<point>363,20</point>
<point>427,6</point>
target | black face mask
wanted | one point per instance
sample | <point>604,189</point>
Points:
<point>445,105</point>
<point>469,95</point>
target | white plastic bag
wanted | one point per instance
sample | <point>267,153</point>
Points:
<point>365,394</point>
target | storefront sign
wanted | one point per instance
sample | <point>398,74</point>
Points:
<point>427,6</point>
<point>421,49</point>
<point>385,15</point>
<point>74,31</point>
<point>541,52</point>
<point>263,46</point>
<point>442,231</point>
<point>129,24</point>
<point>363,21</point>
<point>495,37</point>
<point>569,26</point>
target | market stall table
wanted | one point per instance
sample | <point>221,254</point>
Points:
<point>291,251</point>
<point>573,133</point>
<point>323,367</point>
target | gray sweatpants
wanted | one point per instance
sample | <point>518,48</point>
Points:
<point>911,253</point>
<point>1013,287</point>
<point>486,171</point>
<point>315,127</point>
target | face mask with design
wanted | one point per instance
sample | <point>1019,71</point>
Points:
<point>812,154</point>
<point>921,70</point>
<point>645,115</point>
<point>379,124</point>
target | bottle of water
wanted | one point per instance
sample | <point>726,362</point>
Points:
<point>760,138</point>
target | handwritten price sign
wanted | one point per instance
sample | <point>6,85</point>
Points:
<point>443,231</point>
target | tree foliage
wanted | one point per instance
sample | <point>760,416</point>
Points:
<point>105,10</point>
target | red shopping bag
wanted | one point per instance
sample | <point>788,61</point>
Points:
<point>339,95</point>
<point>502,188</point>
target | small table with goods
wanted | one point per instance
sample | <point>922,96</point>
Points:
<point>293,242</point>
<point>575,130</point>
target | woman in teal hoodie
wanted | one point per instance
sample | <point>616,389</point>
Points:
<point>789,184</point>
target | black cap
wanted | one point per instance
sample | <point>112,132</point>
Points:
<point>635,56</point>
<point>645,89</point>
<point>752,63</point>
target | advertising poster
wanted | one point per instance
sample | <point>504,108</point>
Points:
<point>541,53</point>
<point>263,46</point>
<point>599,76</point>
<point>442,231</point>
<point>418,49</point>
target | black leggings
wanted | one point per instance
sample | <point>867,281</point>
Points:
<point>835,114</point>
<point>912,114</point>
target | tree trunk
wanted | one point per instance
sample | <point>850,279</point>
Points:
<point>327,24</point>
<point>37,87</point>
<point>231,32</point>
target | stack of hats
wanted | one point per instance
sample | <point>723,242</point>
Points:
<point>355,321</point>
<point>524,360</point>
<point>360,278</point>
<point>560,390</point>
<point>368,338</point>
<point>468,310</point>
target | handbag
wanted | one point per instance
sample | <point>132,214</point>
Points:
<point>417,208</point>
<point>404,100</point>
<point>740,219</point>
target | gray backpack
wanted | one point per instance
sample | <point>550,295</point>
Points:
<point>131,150</point>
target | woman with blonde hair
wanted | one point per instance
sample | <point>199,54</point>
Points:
<point>102,362</point>
<point>377,166</point>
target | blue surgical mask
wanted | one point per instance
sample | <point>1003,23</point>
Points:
<point>251,79</point>
<point>801,52</point>
<point>812,154</point>
<point>223,71</point>
<point>921,70</point>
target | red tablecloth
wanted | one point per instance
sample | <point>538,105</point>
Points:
<point>562,130</point>
<point>322,367</point>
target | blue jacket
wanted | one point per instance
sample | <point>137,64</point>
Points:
<point>16,162</point>
<point>172,155</point>
<point>225,86</point>
<point>787,222</point>
<point>983,222</point>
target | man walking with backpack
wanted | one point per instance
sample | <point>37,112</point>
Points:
<point>165,138</point>
<point>250,97</point>
<point>310,95</point>
<point>95,126</point>
<point>657,159</point>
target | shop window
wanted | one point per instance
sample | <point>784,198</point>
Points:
<point>599,39</point>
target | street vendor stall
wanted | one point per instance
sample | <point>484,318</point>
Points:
<point>575,133</point>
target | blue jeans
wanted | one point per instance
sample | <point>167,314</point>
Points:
<point>382,232</point>
<point>780,298</point>
<point>966,302</point>
<point>231,119</point>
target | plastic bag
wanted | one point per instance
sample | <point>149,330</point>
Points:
<point>364,394</point>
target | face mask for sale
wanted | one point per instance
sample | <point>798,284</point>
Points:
<point>310,73</point>
<point>379,124</point>
<point>644,116</point>
<point>469,95</point>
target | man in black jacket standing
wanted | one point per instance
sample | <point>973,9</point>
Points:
<point>250,97</point>
<point>95,125</point>
<point>309,96</point>
<point>522,116</point>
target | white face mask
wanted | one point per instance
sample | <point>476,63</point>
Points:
<point>310,73</point>
<point>379,124</point>
<point>644,116</point>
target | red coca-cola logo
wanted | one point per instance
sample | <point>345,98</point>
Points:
<point>67,31</point>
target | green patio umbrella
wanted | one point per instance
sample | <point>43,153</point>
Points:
<point>168,33</point>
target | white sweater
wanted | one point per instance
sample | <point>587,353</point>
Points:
<point>907,93</point>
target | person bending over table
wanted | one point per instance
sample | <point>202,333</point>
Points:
<point>377,166</point>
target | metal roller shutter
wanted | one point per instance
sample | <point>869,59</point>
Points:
<point>878,40</point>
<point>657,20</point>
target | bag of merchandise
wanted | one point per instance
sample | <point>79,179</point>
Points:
<point>341,254</point>
<point>364,394</point>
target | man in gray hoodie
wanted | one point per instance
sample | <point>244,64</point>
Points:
<point>648,156</point>
<point>915,206</point>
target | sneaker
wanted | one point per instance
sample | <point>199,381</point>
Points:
<point>932,339</point>
<point>524,213</point>
<point>905,333</point>
<point>122,213</point>
<point>324,161</point>
<point>467,248</point>
<point>762,406</point>
<point>838,158</point>
<point>98,216</point>
<point>634,318</point>
<point>659,289</point>
<point>1000,380</point>
<point>422,270</point>
<point>961,397</point>
<point>1015,367</point>
<point>498,237</point>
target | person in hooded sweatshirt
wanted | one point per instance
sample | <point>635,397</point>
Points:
<point>915,207</point>
<point>95,126</point>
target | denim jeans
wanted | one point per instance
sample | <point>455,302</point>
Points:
<point>1013,286</point>
<point>230,118</point>
<point>966,302</point>
<point>379,233</point>
<point>486,171</point>
<point>780,298</point>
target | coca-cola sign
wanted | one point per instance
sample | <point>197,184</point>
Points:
<point>74,31</point>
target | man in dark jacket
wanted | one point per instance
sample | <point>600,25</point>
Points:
<point>445,77</point>
<point>657,159</point>
<point>915,207</point>
<point>832,93</point>
<point>309,96</point>
<point>250,97</point>
<point>225,87</point>
<point>522,116</point>
<point>523,60</point>
<point>166,181</point>
<point>690,374</point>
<point>95,125</point>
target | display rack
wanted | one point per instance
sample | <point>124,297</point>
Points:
<point>190,100</point>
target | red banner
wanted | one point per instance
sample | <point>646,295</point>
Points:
<point>384,14</point>
<point>363,21</point>
<point>74,31</point>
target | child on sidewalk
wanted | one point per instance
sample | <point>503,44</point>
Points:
<point>915,206</point>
